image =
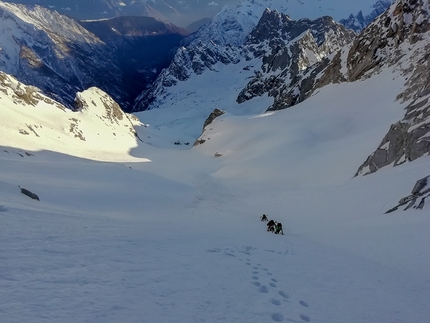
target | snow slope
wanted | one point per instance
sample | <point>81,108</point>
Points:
<point>172,234</point>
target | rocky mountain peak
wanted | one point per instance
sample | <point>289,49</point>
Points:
<point>359,21</point>
<point>287,48</point>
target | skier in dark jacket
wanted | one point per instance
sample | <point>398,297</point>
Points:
<point>264,218</point>
<point>278,228</point>
<point>271,226</point>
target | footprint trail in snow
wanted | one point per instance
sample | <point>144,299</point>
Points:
<point>270,288</point>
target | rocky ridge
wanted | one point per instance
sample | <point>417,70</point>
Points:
<point>404,43</point>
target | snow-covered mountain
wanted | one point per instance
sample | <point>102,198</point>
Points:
<point>58,55</point>
<point>227,39</point>
<point>51,51</point>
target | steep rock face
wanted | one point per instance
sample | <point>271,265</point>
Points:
<point>289,48</point>
<point>358,22</point>
<point>397,39</point>
<point>406,27</point>
<point>215,114</point>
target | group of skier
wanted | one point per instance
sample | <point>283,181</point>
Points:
<point>272,226</point>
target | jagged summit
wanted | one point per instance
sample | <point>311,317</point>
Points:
<point>360,21</point>
<point>288,48</point>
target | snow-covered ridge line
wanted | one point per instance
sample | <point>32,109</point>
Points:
<point>32,121</point>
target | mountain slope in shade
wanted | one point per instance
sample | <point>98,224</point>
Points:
<point>178,12</point>
<point>58,55</point>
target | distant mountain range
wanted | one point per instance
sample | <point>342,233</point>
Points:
<point>186,13</point>
<point>359,21</point>
<point>181,13</point>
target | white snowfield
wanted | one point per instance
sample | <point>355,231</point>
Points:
<point>132,231</point>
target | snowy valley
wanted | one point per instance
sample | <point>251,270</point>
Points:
<point>154,215</point>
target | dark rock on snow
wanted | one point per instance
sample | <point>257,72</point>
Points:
<point>420,192</point>
<point>29,194</point>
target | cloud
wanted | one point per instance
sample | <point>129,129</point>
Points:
<point>212,4</point>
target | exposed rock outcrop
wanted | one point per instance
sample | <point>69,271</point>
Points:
<point>215,114</point>
<point>29,193</point>
<point>416,200</point>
